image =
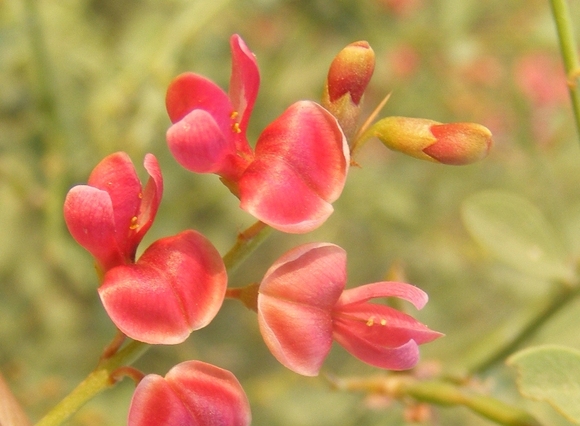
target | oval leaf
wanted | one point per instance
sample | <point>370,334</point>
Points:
<point>552,374</point>
<point>516,232</point>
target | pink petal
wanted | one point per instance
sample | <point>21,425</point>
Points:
<point>382,325</point>
<point>212,395</point>
<point>299,336</point>
<point>177,286</point>
<point>400,358</point>
<point>189,91</point>
<point>89,216</point>
<point>156,403</point>
<point>244,81</point>
<point>299,169</point>
<point>116,175</point>
<point>150,200</point>
<point>311,274</point>
<point>198,143</point>
<point>366,292</point>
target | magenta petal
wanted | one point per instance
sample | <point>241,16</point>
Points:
<point>244,81</point>
<point>177,286</point>
<point>212,395</point>
<point>89,216</point>
<point>384,289</point>
<point>299,336</point>
<point>299,169</point>
<point>198,143</point>
<point>156,403</point>
<point>311,274</point>
<point>189,91</point>
<point>399,358</point>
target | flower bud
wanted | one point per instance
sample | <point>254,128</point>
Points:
<point>348,77</point>
<point>452,143</point>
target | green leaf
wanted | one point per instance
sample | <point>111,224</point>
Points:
<point>517,233</point>
<point>552,374</point>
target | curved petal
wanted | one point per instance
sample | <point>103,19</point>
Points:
<point>150,200</point>
<point>116,175</point>
<point>177,286</point>
<point>198,143</point>
<point>156,403</point>
<point>89,216</point>
<point>400,358</point>
<point>312,274</point>
<point>366,292</point>
<point>212,395</point>
<point>244,81</point>
<point>299,336</point>
<point>274,194</point>
<point>382,325</point>
<point>300,168</point>
<point>189,91</point>
<point>309,140</point>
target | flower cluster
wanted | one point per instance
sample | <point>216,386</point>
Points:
<point>289,181</point>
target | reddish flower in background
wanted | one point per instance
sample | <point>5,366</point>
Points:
<point>300,162</point>
<point>192,393</point>
<point>303,306</point>
<point>179,282</point>
<point>110,215</point>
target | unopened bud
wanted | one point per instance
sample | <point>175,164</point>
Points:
<point>452,143</point>
<point>348,78</point>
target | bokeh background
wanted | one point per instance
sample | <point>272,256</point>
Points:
<point>80,79</point>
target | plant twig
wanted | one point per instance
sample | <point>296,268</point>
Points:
<point>563,21</point>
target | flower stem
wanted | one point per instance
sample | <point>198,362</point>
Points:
<point>402,386</point>
<point>569,50</point>
<point>558,302</point>
<point>95,383</point>
<point>245,244</point>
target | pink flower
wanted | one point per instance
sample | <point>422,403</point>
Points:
<point>192,393</point>
<point>110,215</point>
<point>179,282</point>
<point>177,286</point>
<point>300,162</point>
<point>302,307</point>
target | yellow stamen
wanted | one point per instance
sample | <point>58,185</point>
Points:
<point>371,321</point>
<point>134,225</point>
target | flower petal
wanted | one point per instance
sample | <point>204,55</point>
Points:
<point>198,143</point>
<point>212,395</point>
<point>366,292</point>
<point>382,325</point>
<point>311,274</point>
<point>244,81</point>
<point>89,216</point>
<point>400,358</point>
<point>155,403</point>
<point>299,336</point>
<point>300,167</point>
<point>189,91</point>
<point>151,198</point>
<point>116,175</point>
<point>177,286</point>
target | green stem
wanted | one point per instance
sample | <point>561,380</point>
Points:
<point>100,379</point>
<point>95,383</point>
<point>558,302</point>
<point>569,50</point>
<point>401,386</point>
<point>246,243</point>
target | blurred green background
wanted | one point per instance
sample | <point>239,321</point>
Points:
<point>80,79</point>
